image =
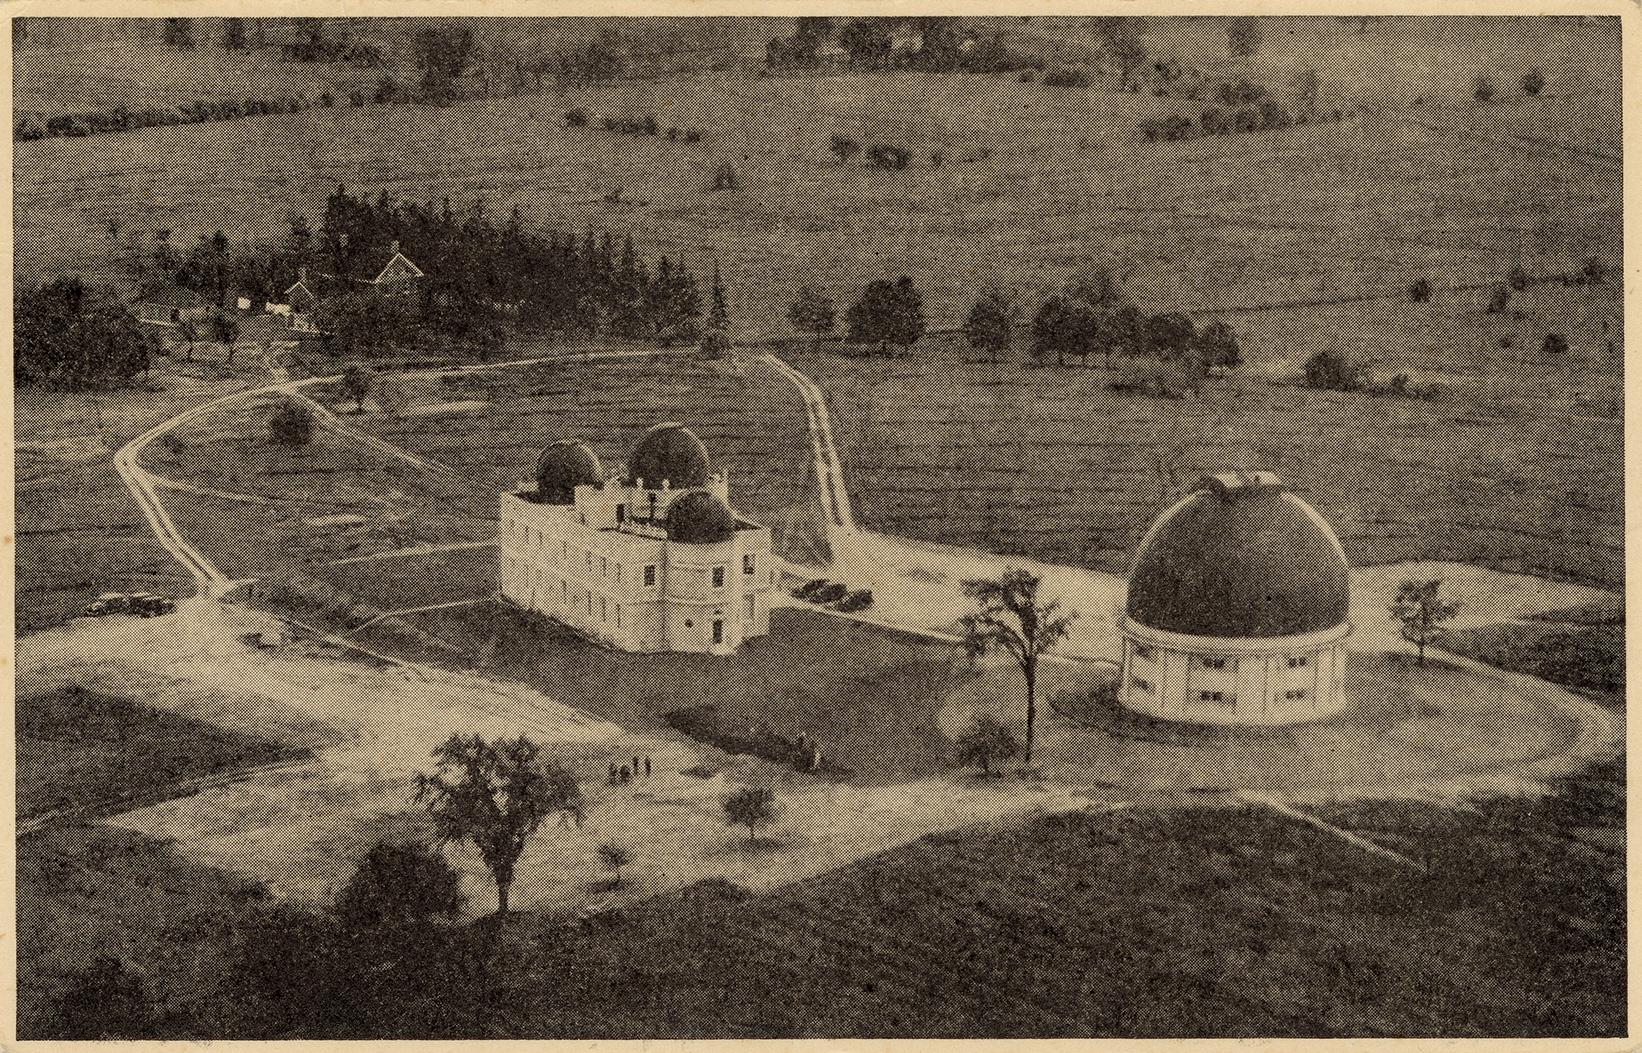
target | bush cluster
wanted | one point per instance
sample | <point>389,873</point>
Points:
<point>1070,77</point>
<point>579,117</point>
<point>29,126</point>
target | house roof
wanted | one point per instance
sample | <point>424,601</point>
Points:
<point>402,261</point>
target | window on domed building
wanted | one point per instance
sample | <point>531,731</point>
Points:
<point>1216,697</point>
<point>1214,663</point>
<point>1142,651</point>
<point>1138,684</point>
<point>718,577</point>
<point>1297,661</point>
<point>650,575</point>
<point>747,564</point>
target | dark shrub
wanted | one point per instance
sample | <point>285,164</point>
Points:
<point>1333,371</point>
<point>575,118</point>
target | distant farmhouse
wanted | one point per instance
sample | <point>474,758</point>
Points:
<point>651,560</point>
<point>1237,609</point>
<point>171,306</point>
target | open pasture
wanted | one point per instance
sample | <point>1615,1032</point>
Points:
<point>1199,226</point>
<point>1049,463</point>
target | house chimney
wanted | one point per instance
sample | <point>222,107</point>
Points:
<point>393,250</point>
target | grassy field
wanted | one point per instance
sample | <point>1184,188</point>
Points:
<point>1208,922</point>
<point>1583,649</point>
<point>1048,462</point>
<point>76,748</point>
<point>79,532</point>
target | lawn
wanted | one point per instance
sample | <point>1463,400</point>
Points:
<point>1583,649</point>
<point>868,696</point>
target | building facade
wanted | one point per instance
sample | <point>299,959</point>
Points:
<point>650,560</point>
<point>1238,609</point>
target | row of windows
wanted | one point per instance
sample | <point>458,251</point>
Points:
<point>606,607</point>
<point>1214,697</point>
<point>749,561</point>
<point>1215,662</point>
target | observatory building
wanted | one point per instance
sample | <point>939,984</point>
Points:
<point>1237,609</point>
<point>650,560</point>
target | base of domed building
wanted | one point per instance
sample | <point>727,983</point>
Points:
<point>1233,681</point>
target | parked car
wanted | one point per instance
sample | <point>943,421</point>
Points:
<point>829,593</point>
<point>859,600</point>
<point>807,590</point>
<point>142,604</point>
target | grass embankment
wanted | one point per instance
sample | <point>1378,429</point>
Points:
<point>1146,923</point>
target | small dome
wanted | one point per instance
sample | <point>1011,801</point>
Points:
<point>562,467</point>
<point>1240,557</point>
<point>671,454</point>
<point>699,519</point>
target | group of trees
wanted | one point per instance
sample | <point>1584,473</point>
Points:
<point>69,335</point>
<point>579,117</point>
<point>1531,83</point>
<point>1094,315</point>
<point>933,44</point>
<point>481,275</point>
<point>887,313</point>
<point>1241,107</point>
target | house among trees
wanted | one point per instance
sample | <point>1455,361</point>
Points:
<point>171,305</point>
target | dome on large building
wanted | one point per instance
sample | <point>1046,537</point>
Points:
<point>700,519</point>
<point>562,467</point>
<point>1240,557</point>
<point>671,454</point>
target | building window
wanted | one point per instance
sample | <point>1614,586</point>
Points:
<point>621,514</point>
<point>1142,651</point>
<point>747,564</point>
<point>1296,695</point>
<point>604,567</point>
<point>650,575</point>
<point>752,606</point>
<point>1138,684</point>
<point>1297,661</point>
<point>1214,663</point>
<point>1219,698</point>
<point>590,560</point>
<point>718,577</point>
<point>604,608</point>
<point>618,616</point>
<point>564,589</point>
<point>618,573</point>
<point>718,630</point>
<point>564,549</point>
<point>590,603</point>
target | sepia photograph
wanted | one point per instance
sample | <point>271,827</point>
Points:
<point>819,526</point>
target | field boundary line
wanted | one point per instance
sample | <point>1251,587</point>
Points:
<point>1254,797</point>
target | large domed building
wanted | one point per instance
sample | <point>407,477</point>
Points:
<point>652,559</point>
<point>1237,609</point>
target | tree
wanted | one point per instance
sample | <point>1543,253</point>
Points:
<point>1533,82</point>
<point>1420,291</point>
<point>1518,278</point>
<point>400,884</point>
<point>812,312</point>
<point>495,795</point>
<point>292,425</point>
<point>715,332</point>
<point>1331,370</point>
<point>1010,619</point>
<point>1482,89</point>
<point>749,807</point>
<point>1594,271</point>
<point>1555,344</point>
<point>990,327</point>
<point>986,740</point>
<point>71,336</point>
<point>179,33</point>
<point>1217,347</point>
<point>615,857</point>
<point>357,381</point>
<point>1244,36</point>
<point>368,325</point>
<point>233,34</point>
<point>887,313</point>
<point>1059,328</point>
<point>104,1000</point>
<point>1171,337</point>
<point>867,41</point>
<point>1303,87</point>
<point>223,329</point>
<point>1420,608</point>
<point>1499,299</point>
<point>844,148</point>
